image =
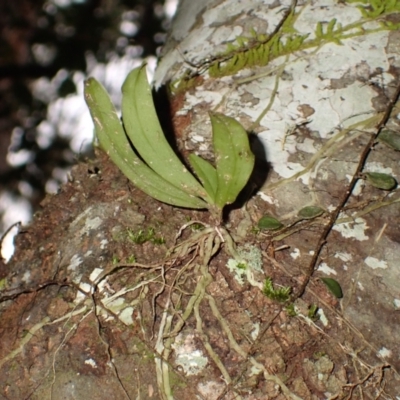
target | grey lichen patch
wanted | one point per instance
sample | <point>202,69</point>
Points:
<point>188,356</point>
<point>320,374</point>
<point>252,256</point>
<point>74,262</point>
<point>86,221</point>
<point>393,45</point>
<point>356,229</point>
<point>126,315</point>
<point>210,389</point>
<point>116,305</point>
<point>86,228</point>
<point>248,264</point>
<point>91,234</point>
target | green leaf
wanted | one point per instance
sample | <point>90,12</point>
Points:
<point>310,212</point>
<point>331,26</point>
<point>333,286</point>
<point>144,130</point>
<point>390,138</point>
<point>114,142</point>
<point>157,170</point>
<point>253,33</point>
<point>269,223</point>
<point>234,159</point>
<point>318,30</point>
<point>206,173</point>
<point>380,181</point>
<point>262,37</point>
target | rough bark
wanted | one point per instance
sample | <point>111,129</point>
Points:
<point>186,326</point>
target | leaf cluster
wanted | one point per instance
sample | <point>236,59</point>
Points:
<point>152,165</point>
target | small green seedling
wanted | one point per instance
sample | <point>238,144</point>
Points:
<point>291,311</point>
<point>241,266</point>
<point>152,165</point>
<point>319,354</point>
<point>282,294</point>
<point>131,259</point>
<point>197,227</point>
<point>115,259</point>
<point>143,236</point>
<point>312,312</point>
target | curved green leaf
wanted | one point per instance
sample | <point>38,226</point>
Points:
<point>234,159</point>
<point>144,130</point>
<point>390,138</point>
<point>269,223</point>
<point>380,180</point>
<point>206,173</point>
<point>333,286</point>
<point>113,140</point>
<point>310,212</point>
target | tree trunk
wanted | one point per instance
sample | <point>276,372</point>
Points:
<point>92,307</point>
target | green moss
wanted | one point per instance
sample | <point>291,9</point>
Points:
<point>3,283</point>
<point>197,227</point>
<point>183,84</point>
<point>319,354</point>
<point>281,294</point>
<point>141,352</point>
<point>176,381</point>
<point>291,311</point>
<point>131,259</point>
<point>143,236</point>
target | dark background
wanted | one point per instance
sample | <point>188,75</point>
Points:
<point>66,33</point>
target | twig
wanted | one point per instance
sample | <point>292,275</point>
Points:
<point>334,215</point>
